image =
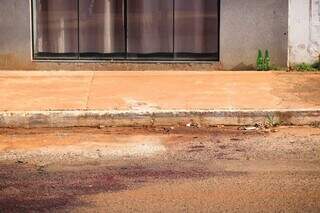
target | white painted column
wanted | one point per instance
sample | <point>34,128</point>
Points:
<point>304,31</point>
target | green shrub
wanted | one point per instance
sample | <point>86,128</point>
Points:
<point>316,66</point>
<point>305,67</point>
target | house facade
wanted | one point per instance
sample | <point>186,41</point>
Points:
<point>156,34</point>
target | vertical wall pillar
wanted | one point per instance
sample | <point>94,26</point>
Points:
<point>304,31</point>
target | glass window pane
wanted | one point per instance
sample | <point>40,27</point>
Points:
<point>101,27</point>
<point>196,28</point>
<point>150,28</point>
<point>56,27</point>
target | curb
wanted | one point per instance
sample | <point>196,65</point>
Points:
<point>95,118</point>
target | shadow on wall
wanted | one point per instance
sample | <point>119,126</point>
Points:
<point>243,66</point>
<point>12,62</point>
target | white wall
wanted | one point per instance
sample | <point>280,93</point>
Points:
<point>304,31</point>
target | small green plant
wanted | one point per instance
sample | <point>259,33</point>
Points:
<point>303,67</point>
<point>263,63</point>
<point>271,121</point>
<point>317,64</point>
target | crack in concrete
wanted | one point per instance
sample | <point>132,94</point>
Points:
<point>89,90</point>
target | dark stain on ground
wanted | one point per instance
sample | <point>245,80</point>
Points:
<point>213,132</point>
<point>307,89</point>
<point>196,148</point>
<point>24,189</point>
<point>222,146</point>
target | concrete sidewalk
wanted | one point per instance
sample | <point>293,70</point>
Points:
<point>66,95</point>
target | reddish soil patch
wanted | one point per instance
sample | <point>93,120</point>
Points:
<point>29,188</point>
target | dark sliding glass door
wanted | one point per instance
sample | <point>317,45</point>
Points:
<point>56,28</point>
<point>150,29</point>
<point>126,29</point>
<point>101,28</point>
<point>196,29</point>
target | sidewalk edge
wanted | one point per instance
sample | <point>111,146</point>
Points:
<point>94,118</point>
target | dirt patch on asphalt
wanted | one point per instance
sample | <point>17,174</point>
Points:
<point>36,188</point>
